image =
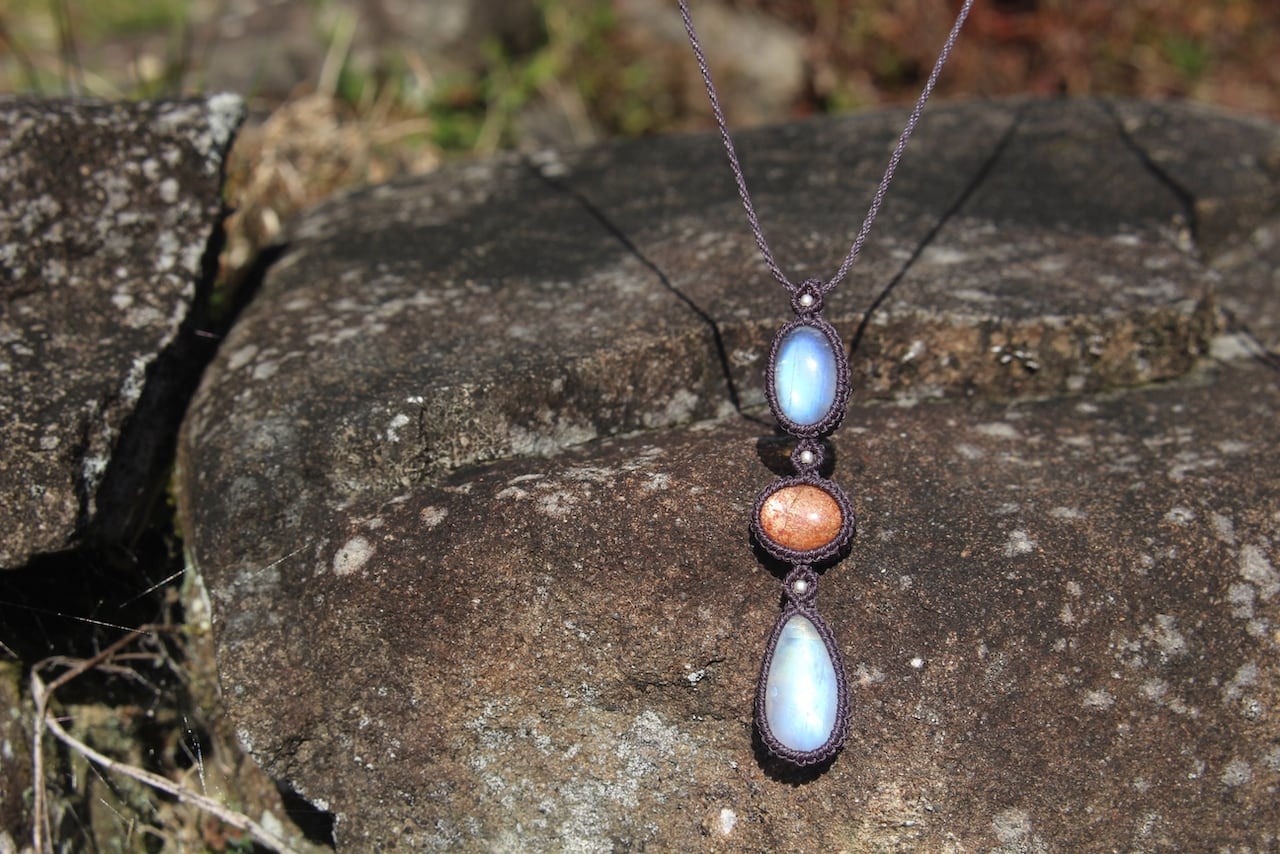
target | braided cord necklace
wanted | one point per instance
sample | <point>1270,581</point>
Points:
<point>806,520</point>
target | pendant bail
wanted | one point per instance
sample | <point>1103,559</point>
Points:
<point>806,299</point>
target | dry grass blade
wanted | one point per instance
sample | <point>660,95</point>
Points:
<point>42,693</point>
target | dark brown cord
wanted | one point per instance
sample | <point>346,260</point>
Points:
<point>876,201</point>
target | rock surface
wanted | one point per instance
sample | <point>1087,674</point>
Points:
<point>467,487</point>
<point>110,212</point>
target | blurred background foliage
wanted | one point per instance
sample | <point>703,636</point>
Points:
<point>346,92</point>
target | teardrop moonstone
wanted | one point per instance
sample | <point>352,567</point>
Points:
<point>804,378</point>
<point>801,693</point>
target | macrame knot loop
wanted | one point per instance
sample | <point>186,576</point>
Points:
<point>806,298</point>
<point>801,586</point>
<point>808,456</point>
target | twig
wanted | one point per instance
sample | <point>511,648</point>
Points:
<point>235,819</point>
<point>42,693</point>
<point>41,831</point>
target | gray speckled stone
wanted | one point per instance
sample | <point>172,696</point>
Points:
<point>109,212</point>
<point>468,492</point>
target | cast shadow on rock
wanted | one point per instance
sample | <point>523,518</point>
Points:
<point>782,771</point>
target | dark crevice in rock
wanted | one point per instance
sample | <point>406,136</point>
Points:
<point>245,288</point>
<point>135,475</point>
<point>80,452</point>
<point>618,234</point>
<point>1186,199</point>
<point>135,479</point>
<point>980,176</point>
<point>74,603</point>
<point>316,824</point>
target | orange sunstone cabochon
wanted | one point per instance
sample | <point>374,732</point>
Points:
<point>801,517</point>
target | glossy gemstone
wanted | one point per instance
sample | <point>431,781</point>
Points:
<point>804,376</point>
<point>801,517</point>
<point>801,693</point>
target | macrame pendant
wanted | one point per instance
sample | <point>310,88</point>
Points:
<point>802,706</point>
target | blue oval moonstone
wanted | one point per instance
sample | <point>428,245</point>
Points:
<point>801,694</point>
<point>804,376</point>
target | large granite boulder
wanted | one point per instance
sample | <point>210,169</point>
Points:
<point>110,216</point>
<point>467,489</point>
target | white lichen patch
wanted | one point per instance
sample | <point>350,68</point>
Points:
<point>1180,516</point>
<point>680,407</point>
<point>973,295</point>
<point>1098,699</point>
<point>1232,347</point>
<point>241,357</point>
<point>397,423</point>
<point>512,493</point>
<point>168,190</point>
<point>1188,462</point>
<point>658,481</point>
<point>353,555</point>
<point>557,505</point>
<point>432,516</point>
<point>865,675</point>
<point>265,370</point>
<point>1237,773</point>
<point>1255,567</point>
<point>1154,689</point>
<point>557,434</point>
<point>1245,676</point>
<point>1019,543</point>
<point>1013,829</point>
<point>943,256</point>
<point>92,468</point>
<point>1241,596</point>
<point>1067,514</point>
<point>135,380</point>
<point>1224,529</point>
<point>1158,691</point>
<point>998,430</point>
<point>1166,636</point>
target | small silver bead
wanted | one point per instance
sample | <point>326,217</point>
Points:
<point>800,587</point>
<point>806,300</point>
<point>806,457</point>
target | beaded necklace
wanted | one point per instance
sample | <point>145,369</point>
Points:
<point>806,520</point>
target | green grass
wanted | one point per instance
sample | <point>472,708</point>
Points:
<point>50,46</point>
